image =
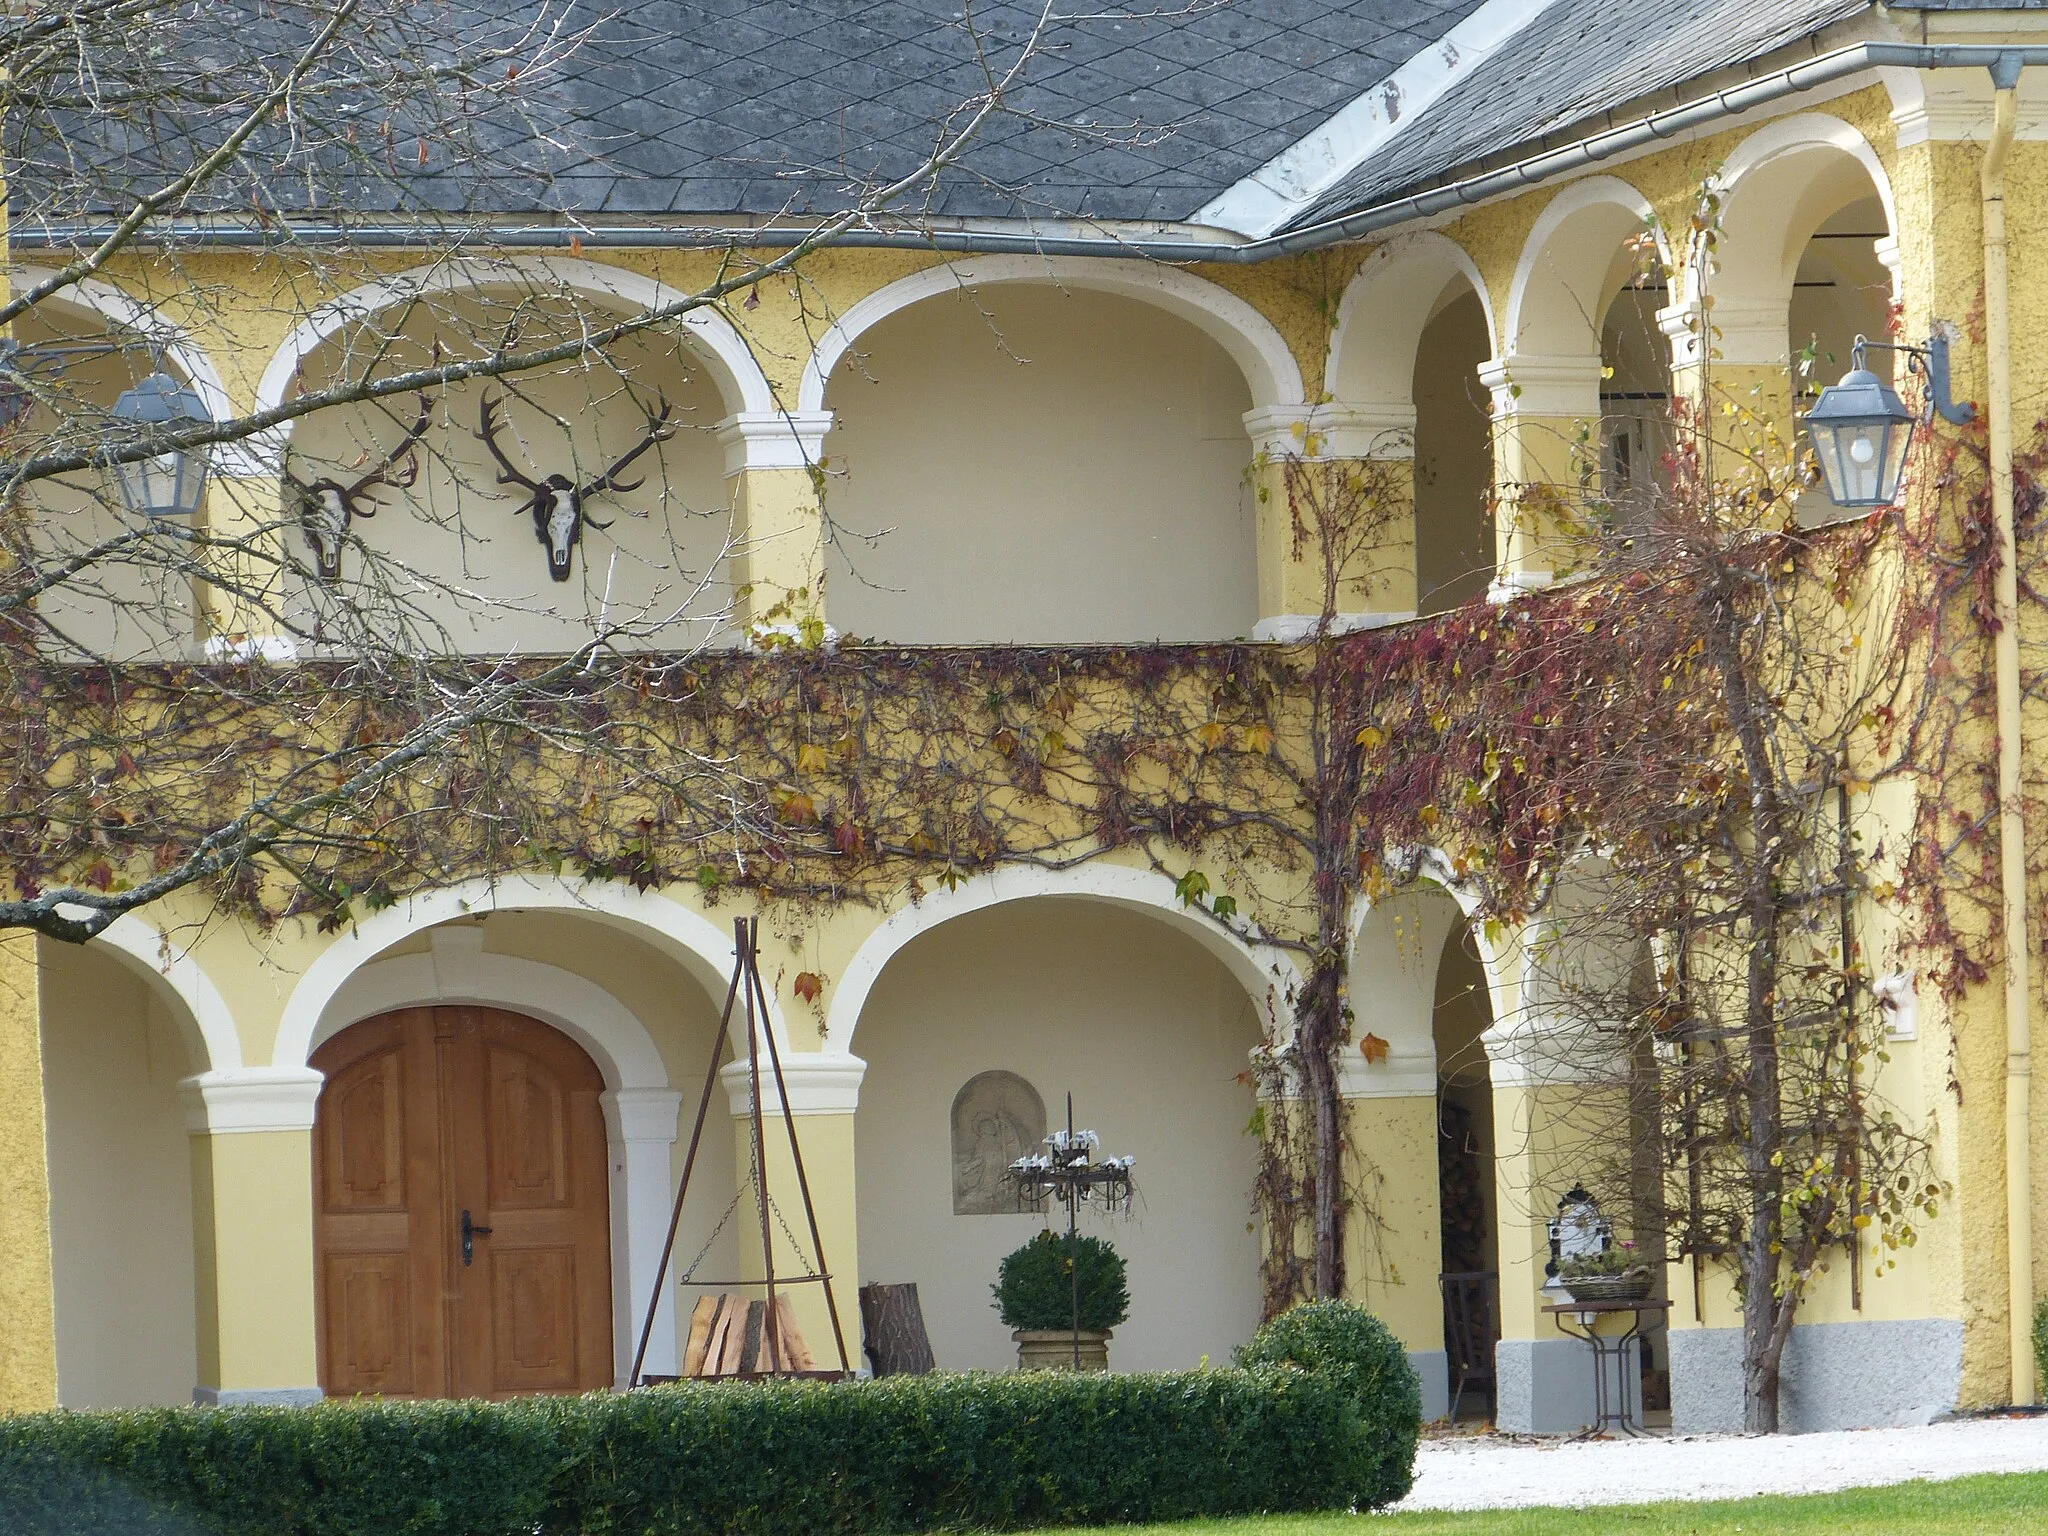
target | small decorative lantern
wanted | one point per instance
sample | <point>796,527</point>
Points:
<point>1579,1230</point>
<point>1862,430</point>
<point>171,483</point>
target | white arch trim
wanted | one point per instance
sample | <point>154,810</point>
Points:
<point>141,947</point>
<point>458,971</point>
<point>718,344</point>
<point>1806,131</point>
<point>1580,197</point>
<point>1386,305</point>
<point>173,341</point>
<point>640,1107</point>
<point>667,925</point>
<point>1248,336</point>
<point>1756,263</point>
<point>1268,975</point>
<point>1503,959</point>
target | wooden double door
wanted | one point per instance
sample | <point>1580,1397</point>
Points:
<point>461,1229</point>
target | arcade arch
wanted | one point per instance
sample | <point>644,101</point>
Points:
<point>119,1044</point>
<point>1149,1031</point>
<point>1033,452</point>
<point>460,555</point>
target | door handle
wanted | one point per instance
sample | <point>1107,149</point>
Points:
<point>470,1233</point>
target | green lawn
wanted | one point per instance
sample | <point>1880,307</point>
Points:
<point>1969,1506</point>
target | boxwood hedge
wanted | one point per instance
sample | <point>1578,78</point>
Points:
<point>901,1454</point>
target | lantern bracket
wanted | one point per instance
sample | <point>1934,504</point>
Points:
<point>1930,361</point>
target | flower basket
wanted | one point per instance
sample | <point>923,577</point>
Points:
<point>1631,1285</point>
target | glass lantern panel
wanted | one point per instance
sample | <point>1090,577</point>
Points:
<point>1898,443</point>
<point>164,485</point>
<point>191,481</point>
<point>1858,463</point>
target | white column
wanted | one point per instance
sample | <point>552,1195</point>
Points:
<point>640,1127</point>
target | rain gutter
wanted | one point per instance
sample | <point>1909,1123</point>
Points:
<point>1812,74</point>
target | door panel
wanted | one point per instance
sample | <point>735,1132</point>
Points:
<point>377,1170</point>
<point>430,1114</point>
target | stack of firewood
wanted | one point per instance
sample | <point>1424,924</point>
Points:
<point>733,1336</point>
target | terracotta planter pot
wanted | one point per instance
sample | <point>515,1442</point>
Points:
<point>1052,1349</point>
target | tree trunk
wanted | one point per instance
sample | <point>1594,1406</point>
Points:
<point>894,1325</point>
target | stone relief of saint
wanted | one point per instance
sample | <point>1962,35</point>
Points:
<point>997,1118</point>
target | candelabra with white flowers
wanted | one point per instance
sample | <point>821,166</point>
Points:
<point>1070,1173</point>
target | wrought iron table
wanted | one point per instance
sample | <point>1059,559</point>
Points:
<point>1610,1356</point>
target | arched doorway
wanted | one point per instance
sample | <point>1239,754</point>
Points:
<point>461,1220</point>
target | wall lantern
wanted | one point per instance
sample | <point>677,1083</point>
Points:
<point>1862,430</point>
<point>168,484</point>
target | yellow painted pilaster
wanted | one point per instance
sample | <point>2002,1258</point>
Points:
<point>775,472</point>
<point>1395,1243</point>
<point>1334,487</point>
<point>239,616</point>
<point>1546,455</point>
<point>1548,1136</point>
<point>822,1090</point>
<point>28,1325</point>
<point>252,1199</point>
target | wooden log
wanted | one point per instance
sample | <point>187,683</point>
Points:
<point>893,1323</point>
<point>791,1349</point>
<point>702,1316</point>
<point>717,1346</point>
<point>750,1341</point>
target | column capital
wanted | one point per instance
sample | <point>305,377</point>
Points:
<point>1528,1053</point>
<point>1405,1073</point>
<point>643,1114</point>
<point>1335,429</point>
<point>1537,384</point>
<point>773,439</point>
<point>251,1099</point>
<point>819,1083</point>
<point>1748,333</point>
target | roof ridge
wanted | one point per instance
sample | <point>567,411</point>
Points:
<point>1294,180</point>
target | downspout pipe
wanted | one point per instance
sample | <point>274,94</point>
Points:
<point>1706,112</point>
<point>2012,831</point>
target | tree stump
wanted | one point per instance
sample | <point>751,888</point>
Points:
<point>894,1325</point>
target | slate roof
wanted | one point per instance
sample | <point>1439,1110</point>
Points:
<point>1141,109</point>
<point>1572,64</point>
<point>1136,110</point>
<point>752,106</point>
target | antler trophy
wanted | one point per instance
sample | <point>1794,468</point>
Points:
<point>327,507</point>
<point>555,502</point>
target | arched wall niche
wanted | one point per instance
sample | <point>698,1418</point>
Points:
<point>1024,462</point>
<point>1150,1033</point>
<point>459,556</point>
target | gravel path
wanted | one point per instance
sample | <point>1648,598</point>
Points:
<point>1484,1472</point>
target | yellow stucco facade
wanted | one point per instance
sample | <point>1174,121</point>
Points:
<point>635,977</point>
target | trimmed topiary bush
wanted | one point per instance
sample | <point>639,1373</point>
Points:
<point>908,1453</point>
<point>1034,1284</point>
<point>1347,1345</point>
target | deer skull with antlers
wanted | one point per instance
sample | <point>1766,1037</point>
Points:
<point>555,502</point>
<point>327,506</point>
